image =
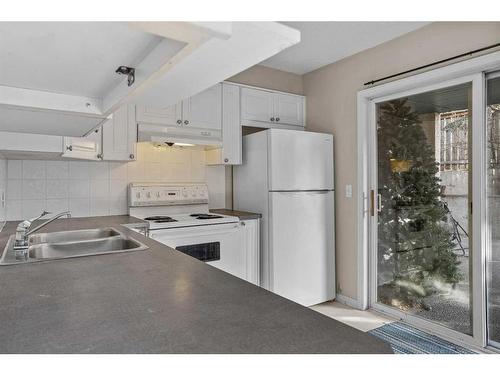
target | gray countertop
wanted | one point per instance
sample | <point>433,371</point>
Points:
<point>154,301</point>
<point>242,215</point>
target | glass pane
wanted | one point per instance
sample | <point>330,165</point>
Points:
<point>493,204</point>
<point>423,222</point>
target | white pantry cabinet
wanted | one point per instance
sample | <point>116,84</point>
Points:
<point>230,153</point>
<point>263,108</point>
<point>119,135</point>
<point>202,111</point>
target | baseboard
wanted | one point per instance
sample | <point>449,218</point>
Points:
<point>348,301</point>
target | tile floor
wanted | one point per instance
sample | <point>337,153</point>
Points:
<point>362,320</point>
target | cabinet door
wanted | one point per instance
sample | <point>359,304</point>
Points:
<point>289,109</point>
<point>251,241</point>
<point>257,105</point>
<point>120,135</point>
<point>230,153</point>
<point>83,147</point>
<point>231,125</point>
<point>204,110</point>
<point>169,115</point>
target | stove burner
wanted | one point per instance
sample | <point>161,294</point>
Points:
<point>167,220</point>
<point>158,218</point>
<point>207,216</point>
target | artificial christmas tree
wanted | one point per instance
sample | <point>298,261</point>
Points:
<point>415,249</point>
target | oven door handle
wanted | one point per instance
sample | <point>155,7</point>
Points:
<point>200,230</point>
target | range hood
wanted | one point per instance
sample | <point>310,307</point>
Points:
<point>177,134</point>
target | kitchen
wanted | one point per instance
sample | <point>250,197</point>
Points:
<point>179,194</point>
<point>150,172</point>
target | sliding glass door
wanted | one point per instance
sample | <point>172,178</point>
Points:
<point>422,204</point>
<point>493,201</point>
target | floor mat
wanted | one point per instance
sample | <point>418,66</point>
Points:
<point>405,339</point>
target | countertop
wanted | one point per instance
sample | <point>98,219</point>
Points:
<point>243,215</point>
<point>154,301</point>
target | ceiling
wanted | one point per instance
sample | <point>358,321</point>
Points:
<point>323,43</point>
<point>74,58</point>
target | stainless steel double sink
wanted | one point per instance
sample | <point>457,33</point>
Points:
<point>70,244</point>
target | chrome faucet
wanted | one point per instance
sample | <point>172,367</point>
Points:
<point>24,230</point>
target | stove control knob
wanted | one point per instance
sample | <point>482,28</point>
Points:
<point>148,194</point>
<point>138,195</point>
<point>157,194</point>
<point>184,193</point>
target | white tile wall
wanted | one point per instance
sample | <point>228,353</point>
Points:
<point>100,188</point>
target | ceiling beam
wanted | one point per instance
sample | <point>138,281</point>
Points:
<point>180,40</point>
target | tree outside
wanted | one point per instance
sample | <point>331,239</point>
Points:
<point>416,252</point>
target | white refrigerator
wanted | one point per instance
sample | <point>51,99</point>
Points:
<point>287,176</point>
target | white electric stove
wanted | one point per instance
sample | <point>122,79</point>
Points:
<point>166,206</point>
<point>178,216</point>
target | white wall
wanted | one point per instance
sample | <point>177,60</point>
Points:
<point>331,108</point>
<point>100,188</point>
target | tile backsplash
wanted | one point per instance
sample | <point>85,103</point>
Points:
<point>89,188</point>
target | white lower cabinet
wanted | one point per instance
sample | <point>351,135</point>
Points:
<point>251,244</point>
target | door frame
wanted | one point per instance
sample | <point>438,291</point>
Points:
<point>470,70</point>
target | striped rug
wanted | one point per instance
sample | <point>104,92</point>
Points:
<point>405,339</point>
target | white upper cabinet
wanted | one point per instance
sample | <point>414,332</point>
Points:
<point>204,110</point>
<point>289,109</point>
<point>257,105</point>
<point>271,109</point>
<point>169,115</point>
<point>115,139</point>
<point>230,153</point>
<point>88,147</point>
<point>119,135</point>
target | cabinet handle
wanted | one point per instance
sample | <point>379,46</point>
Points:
<point>272,118</point>
<point>179,122</point>
<point>277,119</point>
<point>186,122</point>
<point>242,223</point>
<point>69,148</point>
<point>131,156</point>
<point>226,160</point>
<point>99,156</point>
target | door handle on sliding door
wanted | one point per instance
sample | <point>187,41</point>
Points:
<point>372,202</point>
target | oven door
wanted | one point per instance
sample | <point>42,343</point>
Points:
<point>219,245</point>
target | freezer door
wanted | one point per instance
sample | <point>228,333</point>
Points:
<point>301,256</point>
<point>300,160</point>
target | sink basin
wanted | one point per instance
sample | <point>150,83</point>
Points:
<point>69,244</point>
<point>72,236</point>
<point>83,248</point>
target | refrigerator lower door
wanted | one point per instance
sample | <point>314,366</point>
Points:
<point>301,252</point>
<point>300,160</point>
